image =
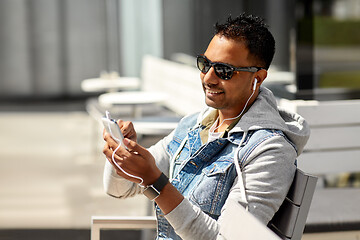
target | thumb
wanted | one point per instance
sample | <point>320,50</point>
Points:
<point>134,147</point>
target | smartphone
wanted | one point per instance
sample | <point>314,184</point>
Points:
<point>113,128</point>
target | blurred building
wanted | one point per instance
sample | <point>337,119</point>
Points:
<point>47,47</point>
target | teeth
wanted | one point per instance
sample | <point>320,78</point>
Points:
<point>213,92</point>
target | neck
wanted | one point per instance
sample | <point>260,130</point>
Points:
<point>224,121</point>
<point>226,117</point>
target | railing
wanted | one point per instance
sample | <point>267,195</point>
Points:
<point>121,222</point>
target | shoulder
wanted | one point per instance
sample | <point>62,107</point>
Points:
<point>256,137</point>
<point>267,142</point>
<point>186,123</point>
<point>262,135</point>
<point>192,120</point>
<point>189,120</point>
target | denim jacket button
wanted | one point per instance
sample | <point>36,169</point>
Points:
<point>193,163</point>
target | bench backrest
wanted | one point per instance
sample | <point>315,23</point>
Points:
<point>289,220</point>
<point>181,82</point>
<point>333,146</point>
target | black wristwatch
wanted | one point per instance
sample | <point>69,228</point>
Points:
<point>153,191</point>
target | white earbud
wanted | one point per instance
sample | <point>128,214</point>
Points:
<point>255,82</point>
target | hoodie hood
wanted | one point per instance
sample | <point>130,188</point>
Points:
<point>265,114</point>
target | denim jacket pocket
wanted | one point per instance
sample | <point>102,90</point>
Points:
<point>213,188</point>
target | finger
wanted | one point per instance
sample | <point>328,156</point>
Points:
<point>112,143</point>
<point>114,159</point>
<point>107,151</point>
<point>107,136</point>
<point>135,148</point>
<point>104,133</point>
<point>121,152</point>
<point>120,122</point>
<point>128,130</point>
<point>106,148</point>
<point>122,169</point>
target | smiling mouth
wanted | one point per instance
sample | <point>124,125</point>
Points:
<point>213,91</point>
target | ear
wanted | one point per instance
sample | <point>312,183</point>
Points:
<point>260,76</point>
<point>254,84</point>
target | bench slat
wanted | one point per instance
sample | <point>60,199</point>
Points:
<point>334,209</point>
<point>344,112</point>
<point>330,162</point>
<point>345,137</point>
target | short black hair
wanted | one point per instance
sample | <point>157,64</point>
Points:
<point>254,33</point>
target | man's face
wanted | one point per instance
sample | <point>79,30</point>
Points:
<point>228,96</point>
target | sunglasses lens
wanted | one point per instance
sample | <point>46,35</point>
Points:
<point>203,65</point>
<point>223,71</point>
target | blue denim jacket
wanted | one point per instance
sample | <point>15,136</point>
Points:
<point>205,173</point>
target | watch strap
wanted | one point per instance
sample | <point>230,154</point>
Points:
<point>153,191</point>
<point>160,183</point>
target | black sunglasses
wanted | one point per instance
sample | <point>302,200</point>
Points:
<point>222,70</point>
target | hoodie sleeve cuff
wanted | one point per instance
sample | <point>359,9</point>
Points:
<point>181,216</point>
<point>189,222</point>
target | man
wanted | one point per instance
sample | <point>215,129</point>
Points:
<point>242,147</point>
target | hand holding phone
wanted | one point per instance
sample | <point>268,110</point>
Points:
<point>113,129</point>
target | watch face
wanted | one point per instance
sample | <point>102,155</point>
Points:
<point>151,193</point>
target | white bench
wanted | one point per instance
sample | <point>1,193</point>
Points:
<point>181,82</point>
<point>333,148</point>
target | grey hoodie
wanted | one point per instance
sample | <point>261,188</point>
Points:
<point>267,172</point>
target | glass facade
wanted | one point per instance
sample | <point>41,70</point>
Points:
<point>328,49</point>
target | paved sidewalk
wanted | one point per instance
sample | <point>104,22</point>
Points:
<point>50,173</point>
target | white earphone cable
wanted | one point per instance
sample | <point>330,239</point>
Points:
<point>247,102</point>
